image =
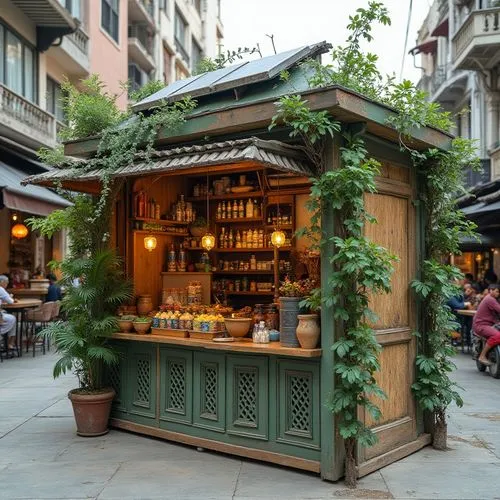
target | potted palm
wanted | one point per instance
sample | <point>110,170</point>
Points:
<point>82,340</point>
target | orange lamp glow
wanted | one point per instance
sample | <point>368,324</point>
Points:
<point>208,242</point>
<point>150,243</point>
<point>19,231</point>
<point>278,238</point>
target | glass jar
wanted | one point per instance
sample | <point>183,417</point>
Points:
<point>272,316</point>
<point>258,313</point>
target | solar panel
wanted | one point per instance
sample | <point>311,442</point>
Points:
<point>234,76</point>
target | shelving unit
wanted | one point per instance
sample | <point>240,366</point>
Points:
<point>249,250</point>
<point>163,222</point>
<point>270,293</point>
<point>239,220</point>
<point>244,273</point>
<point>155,233</point>
<point>232,196</point>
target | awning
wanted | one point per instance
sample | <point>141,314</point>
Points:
<point>442,28</point>
<point>428,47</point>
<point>272,154</point>
<point>29,199</point>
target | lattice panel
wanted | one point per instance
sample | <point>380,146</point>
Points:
<point>115,380</point>
<point>247,397</point>
<point>177,386</point>
<point>300,398</point>
<point>209,408</point>
<point>143,382</point>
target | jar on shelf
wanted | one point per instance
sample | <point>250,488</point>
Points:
<point>258,313</point>
<point>144,305</point>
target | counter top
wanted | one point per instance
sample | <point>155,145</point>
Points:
<point>273,348</point>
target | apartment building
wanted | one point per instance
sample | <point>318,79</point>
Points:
<point>42,42</point>
<point>459,45</point>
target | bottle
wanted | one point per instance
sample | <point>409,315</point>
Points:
<point>244,239</point>
<point>241,210</point>
<point>219,211</point>
<point>235,209</point>
<point>231,238</point>
<point>178,213</point>
<point>238,239</point>
<point>249,209</point>
<point>181,263</point>
<point>223,210</point>
<point>222,238</point>
<point>171,259</point>
<point>253,263</point>
<point>255,239</point>
<point>261,238</point>
<point>256,209</point>
<point>269,220</point>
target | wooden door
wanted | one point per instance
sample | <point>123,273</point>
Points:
<point>397,429</point>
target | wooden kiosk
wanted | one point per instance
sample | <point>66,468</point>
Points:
<point>261,401</point>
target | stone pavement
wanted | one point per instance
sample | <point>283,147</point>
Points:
<point>41,456</point>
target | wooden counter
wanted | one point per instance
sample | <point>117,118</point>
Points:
<point>246,345</point>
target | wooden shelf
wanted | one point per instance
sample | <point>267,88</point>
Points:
<point>244,272</point>
<point>239,220</point>
<point>249,293</point>
<point>162,233</point>
<point>185,273</point>
<point>282,226</point>
<point>249,250</point>
<point>232,196</point>
<point>163,222</point>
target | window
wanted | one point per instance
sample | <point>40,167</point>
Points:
<point>180,29</point>
<point>196,55</point>
<point>110,17</point>
<point>137,77</point>
<point>180,73</point>
<point>18,62</point>
<point>73,6</point>
<point>54,99</point>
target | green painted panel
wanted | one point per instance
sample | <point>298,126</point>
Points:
<point>142,380</point>
<point>298,403</point>
<point>210,394</point>
<point>176,376</point>
<point>247,406</point>
<point>116,377</point>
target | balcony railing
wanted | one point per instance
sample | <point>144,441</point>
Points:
<point>26,117</point>
<point>81,40</point>
<point>479,32</point>
<point>179,46</point>
<point>143,35</point>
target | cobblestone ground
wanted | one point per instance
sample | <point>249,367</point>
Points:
<point>41,456</point>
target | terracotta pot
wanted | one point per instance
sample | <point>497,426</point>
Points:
<point>125,325</point>
<point>308,331</point>
<point>91,411</point>
<point>144,305</point>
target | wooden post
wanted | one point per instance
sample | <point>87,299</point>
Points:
<point>276,274</point>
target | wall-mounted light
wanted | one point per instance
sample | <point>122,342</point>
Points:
<point>278,238</point>
<point>19,231</point>
<point>150,242</point>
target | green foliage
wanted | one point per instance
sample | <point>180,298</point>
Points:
<point>146,90</point>
<point>89,109</point>
<point>223,59</point>
<point>82,340</point>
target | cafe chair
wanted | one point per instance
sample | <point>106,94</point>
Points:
<point>39,318</point>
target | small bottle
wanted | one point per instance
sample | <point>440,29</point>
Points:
<point>253,263</point>
<point>223,211</point>
<point>231,238</point>
<point>219,211</point>
<point>255,239</point>
<point>256,210</point>
<point>238,239</point>
<point>178,213</point>
<point>241,210</point>
<point>249,209</point>
<point>235,209</point>
<point>171,259</point>
<point>261,238</point>
<point>221,238</point>
<point>269,220</point>
<point>244,239</point>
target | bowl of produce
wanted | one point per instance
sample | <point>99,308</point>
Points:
<point>125,323</point>
<point>198,227</point>
<point>142,324</point>
<point>237,327</point>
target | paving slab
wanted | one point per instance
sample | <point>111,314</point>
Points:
<point>44,480</point>
<point>7,424</point>
<point>181,479</point>
<point>61,408</point>
<point>43,425</point>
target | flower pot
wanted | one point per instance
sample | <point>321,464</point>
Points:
<point>289,311</point>
<point>91,411</point>
<point>308,331</point>
<point>197,232</point>
<point>144,305</point>
<point>125,325</point>
<point>141,326</point>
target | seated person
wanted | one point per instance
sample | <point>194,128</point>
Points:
<point>472,296</point>
<point>484,319</point>
<point>8,324</point>
<point>54,290</point>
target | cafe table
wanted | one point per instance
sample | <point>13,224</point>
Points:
<point>18,309</point>
<point>466,326</point>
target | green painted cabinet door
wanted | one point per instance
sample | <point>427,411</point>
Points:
<point>298,403</point>
<point>176,382</point>
<point>247,402</point>
<point>209,398</point>
<point>142,382</point>
<point>117,379</point>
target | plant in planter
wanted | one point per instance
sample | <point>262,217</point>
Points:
<point>142,324</point>
<point>198,227</point>
<point>291,294</point>
<point>82,339</point>
<point>125,322</point>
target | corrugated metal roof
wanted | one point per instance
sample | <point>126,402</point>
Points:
<point>273,154</point>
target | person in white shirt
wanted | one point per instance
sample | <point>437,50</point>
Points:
<point>8,324</point>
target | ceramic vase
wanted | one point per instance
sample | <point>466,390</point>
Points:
<point>308,331</point>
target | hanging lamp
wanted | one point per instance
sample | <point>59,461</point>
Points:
<point>278,237</point>
<point>19,231</point>
<point>150,242</point>
<point>208,239</point>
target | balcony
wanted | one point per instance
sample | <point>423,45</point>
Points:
<point>24,122</point>
<point>476,45</point>
<point>73,54</point>
<point>140,47</point>
<point>51,19</point>
<point>141,11</point>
